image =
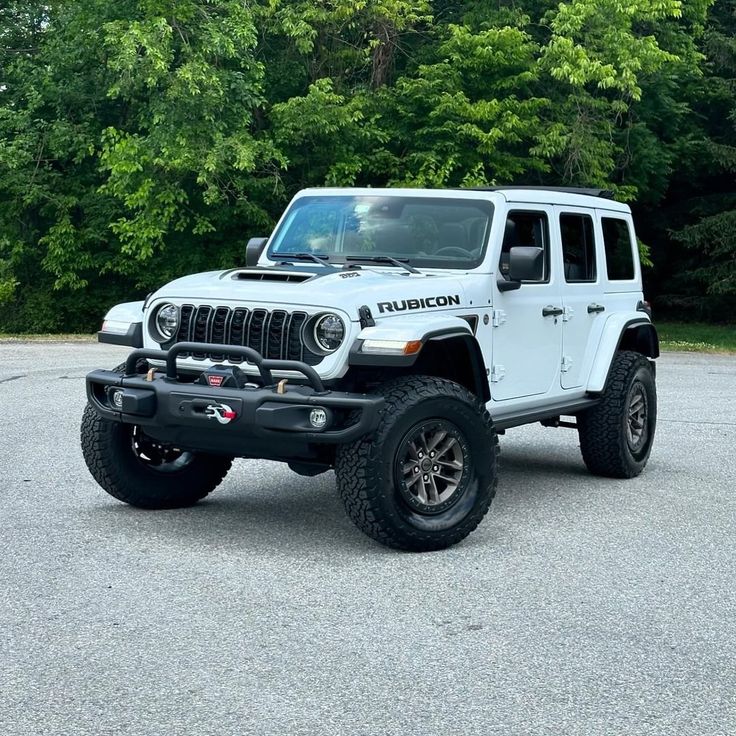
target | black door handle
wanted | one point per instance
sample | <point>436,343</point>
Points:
<point>552,312</point>
<point>595,308</point>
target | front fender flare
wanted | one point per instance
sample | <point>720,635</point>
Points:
<point>432,333</point>
<point>405,329</point>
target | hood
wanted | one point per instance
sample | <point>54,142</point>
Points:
<point>385,290</point>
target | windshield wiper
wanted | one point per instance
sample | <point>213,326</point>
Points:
<point>322,260</point>
<point>384,259</point>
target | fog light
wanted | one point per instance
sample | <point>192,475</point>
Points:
<point>117,398</point>
<point>318,418</point>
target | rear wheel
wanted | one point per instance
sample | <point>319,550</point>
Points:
<point>616,435</point>
<point>140,471</point>
<point>426,477</point>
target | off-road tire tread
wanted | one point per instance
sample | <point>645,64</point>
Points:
<point>602,442</point>
<point>148,490</point>
<point>357,463</point>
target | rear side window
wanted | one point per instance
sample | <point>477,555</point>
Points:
<point>619,253</point>
<point>525,228</point>
<point>578,247</point>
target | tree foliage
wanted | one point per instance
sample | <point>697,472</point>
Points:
<point>143,139</point>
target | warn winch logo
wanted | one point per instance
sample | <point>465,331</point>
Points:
<point>429,302</point>
<point>215,381</point>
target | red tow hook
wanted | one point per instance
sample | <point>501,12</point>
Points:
<point>223,413</point>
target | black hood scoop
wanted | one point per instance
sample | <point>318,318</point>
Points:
<point>272,274</point>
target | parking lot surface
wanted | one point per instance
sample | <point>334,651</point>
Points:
<point>580,606</point>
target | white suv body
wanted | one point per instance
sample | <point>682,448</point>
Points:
<point>530,349</point>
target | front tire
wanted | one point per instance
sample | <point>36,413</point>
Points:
<point>616,435</point>
<point>426,477</point>
<point>139,471</point>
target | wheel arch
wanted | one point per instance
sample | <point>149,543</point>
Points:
<point>449,350</point>
<point>457,357</point>
<point>624,332</point>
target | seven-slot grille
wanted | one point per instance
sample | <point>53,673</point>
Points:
<point>276,334</point>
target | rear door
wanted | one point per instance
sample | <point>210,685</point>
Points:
<point>527,334</point>
<point>582,292</point>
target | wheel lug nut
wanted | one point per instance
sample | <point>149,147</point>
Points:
<point>432,454</point>
<point>426,477</point>
<point>416,470</point>
<point>435,468</point>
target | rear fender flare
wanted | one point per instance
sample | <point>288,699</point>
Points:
<point>628,331</point>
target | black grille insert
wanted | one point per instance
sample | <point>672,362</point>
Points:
<point>276,335</point>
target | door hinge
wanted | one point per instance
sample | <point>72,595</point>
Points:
<point>567,313</point>
<point>497,373</point>
<point>566,363</point>
<point>499,317</point>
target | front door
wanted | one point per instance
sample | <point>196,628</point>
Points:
<point>527,333</point>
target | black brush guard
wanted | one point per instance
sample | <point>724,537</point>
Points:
<point>269,421</point>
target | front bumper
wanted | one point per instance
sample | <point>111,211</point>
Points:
<point>269,419</point>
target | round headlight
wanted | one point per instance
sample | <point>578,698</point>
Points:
<point>167,321</point>
<point>329,332</point>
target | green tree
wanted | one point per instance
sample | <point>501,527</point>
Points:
<point>144,139</point>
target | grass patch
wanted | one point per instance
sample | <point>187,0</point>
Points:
<point>697,337</point>
<point>8,337</point>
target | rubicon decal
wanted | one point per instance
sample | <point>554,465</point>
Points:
<point>429,302</point>
<point>222,412</point>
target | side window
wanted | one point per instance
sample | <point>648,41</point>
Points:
<point>619,251</point>
<point>578,247</point>
<point>525,228</point>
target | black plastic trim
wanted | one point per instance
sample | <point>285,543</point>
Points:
<point>174,412</point>
<point>654,344</point>
<point>133,338</point>
<point>365,317</point>
<point>587,191</point>
<point>503,285</point>
<point>538,415</point>
<point>472,320</point>
<point>265,366</point>
<point>357,357</point>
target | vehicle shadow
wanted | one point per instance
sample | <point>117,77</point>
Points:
<point>290,517</point>
<point>524,461</point>
<point>295,516</point>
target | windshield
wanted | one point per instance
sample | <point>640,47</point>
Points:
<point>423,231</point>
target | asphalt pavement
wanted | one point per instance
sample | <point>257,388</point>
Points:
<point>580,605</point>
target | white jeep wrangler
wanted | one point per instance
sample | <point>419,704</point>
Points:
<point>391,335</point>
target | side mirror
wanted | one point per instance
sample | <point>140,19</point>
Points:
<point>253,251</point>
<point>526,263</point>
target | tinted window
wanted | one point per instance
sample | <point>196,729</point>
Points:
<point>578,247</point>
<point>426,231</point>
<point>525,228</point>
<point>619,253</point>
